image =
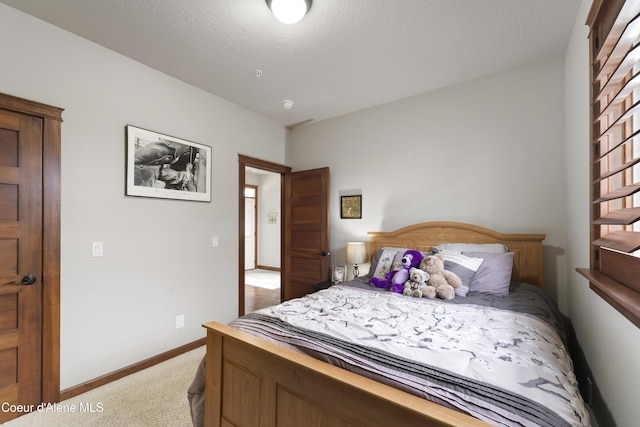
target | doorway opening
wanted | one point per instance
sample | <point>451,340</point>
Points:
<point>261,233</point>
<point>262,264</point>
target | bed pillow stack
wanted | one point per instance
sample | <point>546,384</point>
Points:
<point>482,268</point>
<point>493,275</point>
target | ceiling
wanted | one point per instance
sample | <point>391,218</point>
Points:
<point>345,55</point>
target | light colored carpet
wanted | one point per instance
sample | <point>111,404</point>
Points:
<point>267,279</point>
<point>154,397</point>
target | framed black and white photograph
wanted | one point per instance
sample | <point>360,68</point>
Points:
<point>166,167</point>
<point>351,207</point>
<point>339,273</point>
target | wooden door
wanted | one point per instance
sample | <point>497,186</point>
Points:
<point>21,231</point>
<point>306,243</point>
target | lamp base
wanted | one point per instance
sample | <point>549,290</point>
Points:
<point>356,272</point>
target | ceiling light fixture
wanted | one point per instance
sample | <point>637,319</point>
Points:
<point>289,11</point>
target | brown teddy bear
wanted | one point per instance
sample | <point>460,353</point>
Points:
<point>417,286</point>
<point>445,282</point>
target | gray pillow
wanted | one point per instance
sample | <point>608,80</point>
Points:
<point>464,266</point>
<point>494,275</point>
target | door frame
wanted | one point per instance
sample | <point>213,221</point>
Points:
<point>51,171</point>
<point>243,162</point>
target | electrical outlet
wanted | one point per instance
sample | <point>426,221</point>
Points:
<point>215,241</point>
<point>180,321</point>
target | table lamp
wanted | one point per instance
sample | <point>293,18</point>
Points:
<point>356,254</point>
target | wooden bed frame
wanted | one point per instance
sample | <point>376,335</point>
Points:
<point>251,382</point>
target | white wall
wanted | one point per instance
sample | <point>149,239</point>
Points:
<point>159,260</point>
<point>611,343</point>
<point>487,152</point>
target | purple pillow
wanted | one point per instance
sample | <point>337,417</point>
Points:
<point>494,275</point>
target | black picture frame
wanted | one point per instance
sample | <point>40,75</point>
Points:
<point>351,207</point>
<point>166,167</point>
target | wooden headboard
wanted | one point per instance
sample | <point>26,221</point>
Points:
<point>527,261</point>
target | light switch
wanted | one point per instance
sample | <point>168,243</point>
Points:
<point>215,241</point>
<point>180,321</point>
<point>97,249</point>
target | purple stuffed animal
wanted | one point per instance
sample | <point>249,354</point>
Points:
<point>394,280</point>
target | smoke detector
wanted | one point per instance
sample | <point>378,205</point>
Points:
<point>287,104</point>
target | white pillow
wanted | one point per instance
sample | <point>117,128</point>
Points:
<point>472,247</point>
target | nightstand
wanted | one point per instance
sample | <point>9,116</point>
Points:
<point>322,285</point>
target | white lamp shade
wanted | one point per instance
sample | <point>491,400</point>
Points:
<point>356,253</point>
<point>289,11</point>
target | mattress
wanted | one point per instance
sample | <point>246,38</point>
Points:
<point>499,358</point>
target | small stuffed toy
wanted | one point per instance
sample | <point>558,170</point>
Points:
<point>395,279</point>
<point>417,286</point>
<point>445,282</point>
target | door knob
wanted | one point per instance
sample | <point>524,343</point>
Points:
<point>29,279</point>
<point>324,253</point>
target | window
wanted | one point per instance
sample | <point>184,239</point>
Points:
<point>614,272</point>
<point>250,191</point>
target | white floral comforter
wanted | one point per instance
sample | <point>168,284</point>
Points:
<point>501,366</point>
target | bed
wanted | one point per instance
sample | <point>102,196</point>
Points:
<point>353,355</point>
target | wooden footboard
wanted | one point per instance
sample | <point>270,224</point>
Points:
<point>251,382</point>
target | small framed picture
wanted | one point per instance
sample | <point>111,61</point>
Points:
<point>351,207</point>
<point>339,273</point>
